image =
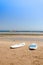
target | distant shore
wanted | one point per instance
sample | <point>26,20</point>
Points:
<point>21,33</point>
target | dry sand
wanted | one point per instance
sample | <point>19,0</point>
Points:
<point>20,56</point>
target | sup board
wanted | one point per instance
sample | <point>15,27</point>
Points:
<point>17,45</point>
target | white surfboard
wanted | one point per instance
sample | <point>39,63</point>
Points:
<point>33,46</point>
<point>17,45</point>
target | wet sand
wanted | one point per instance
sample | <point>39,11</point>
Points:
<point>22,55</point>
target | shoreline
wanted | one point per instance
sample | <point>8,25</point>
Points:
<point>21,34</point>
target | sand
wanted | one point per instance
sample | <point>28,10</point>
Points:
<point>22,55</point>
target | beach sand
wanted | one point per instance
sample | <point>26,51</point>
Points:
<point>22,55</point>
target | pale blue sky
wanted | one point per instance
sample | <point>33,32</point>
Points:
<point>21,15</point>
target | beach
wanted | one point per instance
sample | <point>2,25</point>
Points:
<point>22,55</point>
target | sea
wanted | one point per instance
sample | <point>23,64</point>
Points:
<point>4,32</point>
<point>20,32</point>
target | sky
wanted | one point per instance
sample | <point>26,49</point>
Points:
<point>21,15</point>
